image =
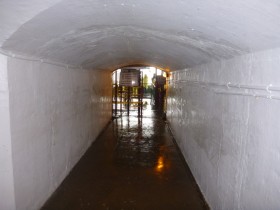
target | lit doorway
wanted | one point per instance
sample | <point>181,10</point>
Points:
<point>138,89</point>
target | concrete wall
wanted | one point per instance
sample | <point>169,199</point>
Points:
<point>56,113</point>
<point>226,119</point>
<point>7,200</point>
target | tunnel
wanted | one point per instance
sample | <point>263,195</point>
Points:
<point>56,60</point>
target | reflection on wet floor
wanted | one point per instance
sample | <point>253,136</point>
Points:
<point>134,164</point>
<point>136,145</point>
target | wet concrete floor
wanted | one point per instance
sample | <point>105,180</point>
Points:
<point>134,164</point>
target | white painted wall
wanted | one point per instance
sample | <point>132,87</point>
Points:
<point>111,34</point>
<point>56,113</point>
<point>7,200</point>
<point>230,135</point>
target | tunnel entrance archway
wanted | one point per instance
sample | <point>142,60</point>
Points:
<point>138,88</point>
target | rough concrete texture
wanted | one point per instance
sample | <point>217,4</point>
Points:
<point>7,199</point>
<point>171,34</point>
<point>134,164</point>
<point>225,117</point>
<point>56,113</point>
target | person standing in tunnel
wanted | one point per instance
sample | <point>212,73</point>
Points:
<point>153,91</point>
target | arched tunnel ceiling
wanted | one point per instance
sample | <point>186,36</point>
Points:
<point>103,34</point>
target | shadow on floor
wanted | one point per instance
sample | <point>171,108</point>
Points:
<point>134,164</point>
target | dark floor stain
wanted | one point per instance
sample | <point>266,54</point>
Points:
<point>134,164</point>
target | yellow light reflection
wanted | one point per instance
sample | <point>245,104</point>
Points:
<point>160,164</point>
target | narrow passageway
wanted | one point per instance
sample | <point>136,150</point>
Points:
<point>134,164</point>
<point>68,66</point>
